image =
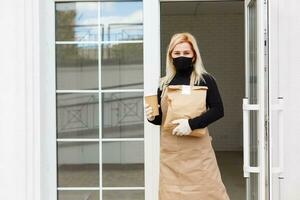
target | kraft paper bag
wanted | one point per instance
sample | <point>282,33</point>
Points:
<point>185,101</point>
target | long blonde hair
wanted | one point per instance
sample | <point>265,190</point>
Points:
<point>170,68</point>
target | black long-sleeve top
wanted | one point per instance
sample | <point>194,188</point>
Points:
<point>213,101</point>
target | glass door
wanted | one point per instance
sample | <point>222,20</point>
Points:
<point>254,105</point>
<point>99,100</point>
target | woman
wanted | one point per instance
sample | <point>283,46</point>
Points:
<point>188,166</point>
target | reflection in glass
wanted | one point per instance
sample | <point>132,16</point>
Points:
<point>253,187</point>
<point>253,82</point>
<point>76,21</point>
<point>122,20</point>
<point>123,115</point>
<point>252,181</point>
<point>122,66</point>
<point>253,138</point>
<point>76,66</point>
<point>123,164</point>
<point>126,195</point>
<point>78,164</point>
<point>77,115</point>
<point>78,195</point>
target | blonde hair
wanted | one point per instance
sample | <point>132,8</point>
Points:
<point>170,68</point>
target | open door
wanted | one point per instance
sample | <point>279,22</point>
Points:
<point>255,126</point>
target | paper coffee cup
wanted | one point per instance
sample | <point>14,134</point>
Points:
<point>152,101</point>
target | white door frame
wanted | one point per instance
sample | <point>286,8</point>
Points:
<point>259,107</point>
<point>48,100</point>
<point>151,13</point>
<point>152,64</point>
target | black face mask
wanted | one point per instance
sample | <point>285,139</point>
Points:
<point>183,64</point>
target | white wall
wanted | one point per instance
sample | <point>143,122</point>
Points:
<point>12,124</point>
<point>19,102</point>
<point>219,30</point>
<point>285,54</point>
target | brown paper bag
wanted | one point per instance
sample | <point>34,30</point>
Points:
<point>185,104</point>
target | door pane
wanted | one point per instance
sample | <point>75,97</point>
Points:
<point>126,195</point>
<point>77,115</point>
<point>99,38</point>
<point>122,20</point>
<point>252,191</point>
<point>78,195</point>
<point>123,164</point>
<point>253,138</point>
<point>122,66</point>
<point>76,21</point>
<point>123,115</point>
<point>253,80</point>
<point>253,180</point>
<point>252,52</point>
<point>78,164</point>
<point>76,66</point>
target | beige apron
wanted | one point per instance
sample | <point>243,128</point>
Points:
<point>188,166</point>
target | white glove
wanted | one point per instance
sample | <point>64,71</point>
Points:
<point>149,112</point>
<point>183,128</point>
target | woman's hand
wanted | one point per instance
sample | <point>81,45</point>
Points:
<point>149,112</point>
<point>183,128</point>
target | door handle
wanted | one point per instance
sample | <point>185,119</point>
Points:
<point>280,108</point>
<point>246,134</point>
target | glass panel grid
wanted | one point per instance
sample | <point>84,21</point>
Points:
<point>253,83</point>
<point>85,34</point>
